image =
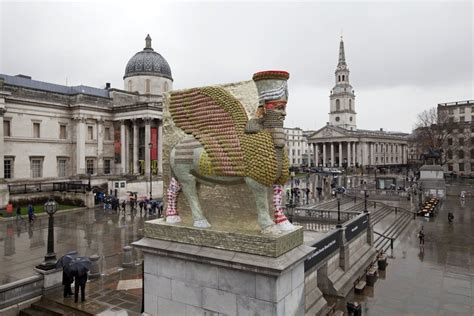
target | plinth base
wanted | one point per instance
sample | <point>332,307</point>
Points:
<point>241,241</point>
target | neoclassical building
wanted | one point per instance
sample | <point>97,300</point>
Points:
<point>50,131</point>
<point>341,144</point>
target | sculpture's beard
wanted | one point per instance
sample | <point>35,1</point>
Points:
<point>273,122</point>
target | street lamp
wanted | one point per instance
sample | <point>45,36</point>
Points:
<point>307,188</point>
<point>150,145</point>
<point>291,191</point>
<point>338,197</point>
<point>49,262</point>
<point>365,200</point>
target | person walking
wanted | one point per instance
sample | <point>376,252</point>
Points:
<point>124,204</point>
<point>140,204</point>
<point>31,213</point>
<point>450,217</point>
<point>80,283</point>
<point>18,213</point>
<point>421,236</point>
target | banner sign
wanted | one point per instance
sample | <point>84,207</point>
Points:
<point>154,143</point>
<point>323,249</point>
<point>356,227</point>
<point>117,146</point>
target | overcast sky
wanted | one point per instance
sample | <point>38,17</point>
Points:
<point>404,56</point>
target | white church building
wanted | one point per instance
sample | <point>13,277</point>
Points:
<point>341,144</point>
<point>51,132</point>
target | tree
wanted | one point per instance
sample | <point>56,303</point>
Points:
<point>435,129</point>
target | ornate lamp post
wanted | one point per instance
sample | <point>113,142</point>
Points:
<point>338,197</point>
<point>307,188</point>
<point>49,263</point>
<point>150,145</point>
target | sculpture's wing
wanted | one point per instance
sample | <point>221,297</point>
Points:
<point>215,118</point>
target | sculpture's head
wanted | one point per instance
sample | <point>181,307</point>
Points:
<point>273,97</point>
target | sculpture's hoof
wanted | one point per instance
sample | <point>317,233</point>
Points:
<point>202,223</point>
<point>271,230</point>
<point>173,219</point>
<point>285,226</point>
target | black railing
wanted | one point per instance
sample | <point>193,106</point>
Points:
<point>69,186</point>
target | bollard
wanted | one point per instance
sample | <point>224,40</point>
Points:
<point>127,258</point>
<point>94,272</point>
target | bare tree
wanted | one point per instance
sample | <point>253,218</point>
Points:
<point>435,129</point>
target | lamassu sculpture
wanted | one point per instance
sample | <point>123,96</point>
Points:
<point>223,146</point>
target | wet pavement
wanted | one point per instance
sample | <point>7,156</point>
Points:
<point>437,279</point>
<point>86,231</point>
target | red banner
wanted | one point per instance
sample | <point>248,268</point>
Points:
<point>154,143</point>
<point>117,146</point>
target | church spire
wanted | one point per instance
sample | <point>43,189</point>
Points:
<point>342,55</point>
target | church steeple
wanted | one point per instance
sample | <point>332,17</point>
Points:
<point>342,106</point>
<point>342,55</point>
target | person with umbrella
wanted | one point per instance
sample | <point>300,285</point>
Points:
<point>67,278</point>
<point>79,268</point>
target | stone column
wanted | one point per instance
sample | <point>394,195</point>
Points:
<point>340,154</point>
<point>316,154</point>
<point>324,154</point>
<point>348,154</point>
<point>160,147</point>
<point>123,148</point>
<point>372,158</point>
<point>80,144</point>
<point>332,155</point>
<point>2,145</point>
<point>147,148</point>
<point>100,146</point>
<point>135,147</point>
<point>354,157</point>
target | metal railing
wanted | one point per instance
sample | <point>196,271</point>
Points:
<point>325,215</point>
<point>69,186</point>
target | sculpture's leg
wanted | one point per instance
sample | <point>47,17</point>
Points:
<point>280,218</point>
<point>172,215</point>
<point>261,197</point>
<point>189,190</point>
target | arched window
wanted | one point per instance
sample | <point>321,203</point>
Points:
<point>338,105</point>
<point>147,85</point>
<point>350,104</point>
<point>130,85</point>
<point>343,77</point>
<point>165,86</point>
<point>339,78</point>
<point>350,118</point>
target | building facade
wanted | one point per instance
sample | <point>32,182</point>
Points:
<point>459,149</point>
<point>341,144</point>
<point>51,131</point>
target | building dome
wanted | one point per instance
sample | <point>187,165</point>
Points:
<point>148,62</point>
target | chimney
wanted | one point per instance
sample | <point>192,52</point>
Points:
<point>107,85</point>
<point>381,129</point>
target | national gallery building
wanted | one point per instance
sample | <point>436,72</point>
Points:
<point>54,132</point>
<point>341,144</point>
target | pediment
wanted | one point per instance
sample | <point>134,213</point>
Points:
<point>327,132</point>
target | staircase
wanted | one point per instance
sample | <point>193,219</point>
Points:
<point>47,307</point>
<point>385,240</point>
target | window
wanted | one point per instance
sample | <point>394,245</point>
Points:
<point>36,130</point>
<point>461,154</point>
<point>90,166</point>
<point>461,110</point>
<point>461,166</point>
<point>350,118</point>
<point>62,167</point>
<point>339,78</point>
<point>343,78</point>
<point>36,167</point>
<point>62,131</point>
<point>292,152</point>
<point>461,141</point>
<point>298,152</point>
<point>337,119</point>
<point>166,86</point>
<point>6,128</point>
<point>130,85</point>
<point>147,86</point>
<point>449,154</point>
<point>450,111</point>
<point>472,153</point>
<point>451,119</point>
<point>461,119</point>
<point>350,104</point>
<point>472,167</point>
<point>338,105</point>
<point>450,141</point>
<point>107,164</point>
<point>90,133</point>
<point>450,167</point>
<point>8,168</point>
<point>107,133</point>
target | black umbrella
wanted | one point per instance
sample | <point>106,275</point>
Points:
<point>79,266</point>
<point>66,259</point>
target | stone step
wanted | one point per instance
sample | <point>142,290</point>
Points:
<point>52,309</point>
<point>33,312</point>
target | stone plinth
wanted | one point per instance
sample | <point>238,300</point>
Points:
<point>184,279</point>
<point>236,240</point>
